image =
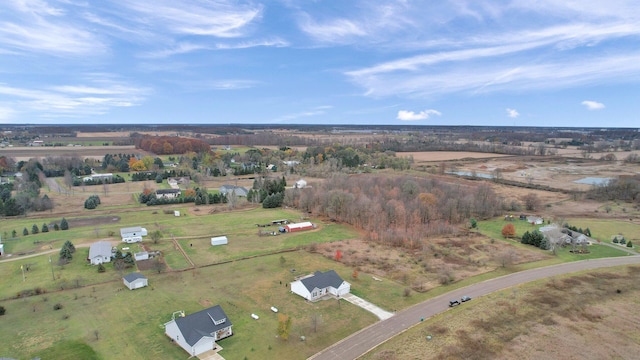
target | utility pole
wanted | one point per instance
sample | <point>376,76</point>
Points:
<point>50,262</point>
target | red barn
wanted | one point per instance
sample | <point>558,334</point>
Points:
<point>299,226</point>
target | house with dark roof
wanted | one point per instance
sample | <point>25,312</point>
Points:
<point>320,284</point>
<point>135,280</point>
<point>232,189</point>
<point>99,253</point>
<point>198,332</point>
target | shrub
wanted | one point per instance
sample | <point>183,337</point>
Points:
<point>629,244</point>
<point>57,306</point>
<point>2,310</point>
<point>615,240</point>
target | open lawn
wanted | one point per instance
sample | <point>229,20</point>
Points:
<point>129,323</point>
<point>603,230</point>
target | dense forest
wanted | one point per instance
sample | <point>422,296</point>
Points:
<point>398,210</point>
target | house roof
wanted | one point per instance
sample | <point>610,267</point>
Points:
<point>101,248</point>
<point>130,229</point>
<point>134,276</point>
<point>322,280</point>
<point>168,191</point>
<point>203,323</point>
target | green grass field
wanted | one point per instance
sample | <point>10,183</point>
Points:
<point>119,323</point>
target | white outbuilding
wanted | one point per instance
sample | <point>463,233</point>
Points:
<point>135,281</point>
<point>219,240</point>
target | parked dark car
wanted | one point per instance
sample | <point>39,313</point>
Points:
<point>453,303</point>
<point>465,298</point>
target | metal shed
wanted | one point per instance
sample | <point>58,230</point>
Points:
<point>219,240</point>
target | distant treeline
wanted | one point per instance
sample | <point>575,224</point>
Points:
<point>168,145</point>
<point>624,189</point>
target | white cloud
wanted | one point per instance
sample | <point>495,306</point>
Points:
<point>101,95</point>
<point>506,75</point>
<point>318,110</point>
<point>512,113</point>
<point>593,105</point>
<point>223,19</point>
<point>405,115</point>
<point>335,31</point>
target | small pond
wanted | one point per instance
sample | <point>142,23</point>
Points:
<point>594,180</point>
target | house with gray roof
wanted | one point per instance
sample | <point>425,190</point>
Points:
<point>232,189</point>
<point>99,253</point>
<point>198,332</point>
<point>135,280</point>
<point>320,284</point>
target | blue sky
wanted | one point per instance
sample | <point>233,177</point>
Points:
<point>476,62</point>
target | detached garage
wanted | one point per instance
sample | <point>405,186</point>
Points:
<point>299,226</point>
<point>135,281</point>
<point>219,240</point>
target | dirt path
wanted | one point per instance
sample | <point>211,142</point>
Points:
<point>368,338</point>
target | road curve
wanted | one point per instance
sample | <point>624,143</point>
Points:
<point>368,338</point>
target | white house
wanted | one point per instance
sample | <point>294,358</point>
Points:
<point>133,234</point>
<point>135,281</point>
<point>99,253</point>
<point>219,240</point>
<point>198,332</point>
<point>320,284</point>
<point>168,193</point>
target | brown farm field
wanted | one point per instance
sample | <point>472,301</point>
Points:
<point>580,316</point>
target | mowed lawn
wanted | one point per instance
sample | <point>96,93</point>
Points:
<point>493,229</point>
<point>119,323</point>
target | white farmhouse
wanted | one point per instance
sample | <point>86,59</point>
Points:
<point>198,332</point>
<point>99,253</point>
<point>319,284</point>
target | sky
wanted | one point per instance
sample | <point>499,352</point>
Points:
<point>566,63</point>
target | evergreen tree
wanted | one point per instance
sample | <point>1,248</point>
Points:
<point>64,225</point>
<point>35,229</point>
<point>69,245</point>
<point>45,228</point>
<point>25,232</point>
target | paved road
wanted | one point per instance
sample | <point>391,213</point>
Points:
<point>368,338</point>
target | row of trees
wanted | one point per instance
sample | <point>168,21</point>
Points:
<point>171,144</point>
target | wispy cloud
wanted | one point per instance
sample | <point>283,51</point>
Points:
<point>512,113</point>
<point>73,100</point>
<point>333,31</point>
<point>405,115</point>
<point>319,110</point>
<point>36,27</point>
<point>593,105</point>
<point>224,19</point>
<point>484,77</point>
